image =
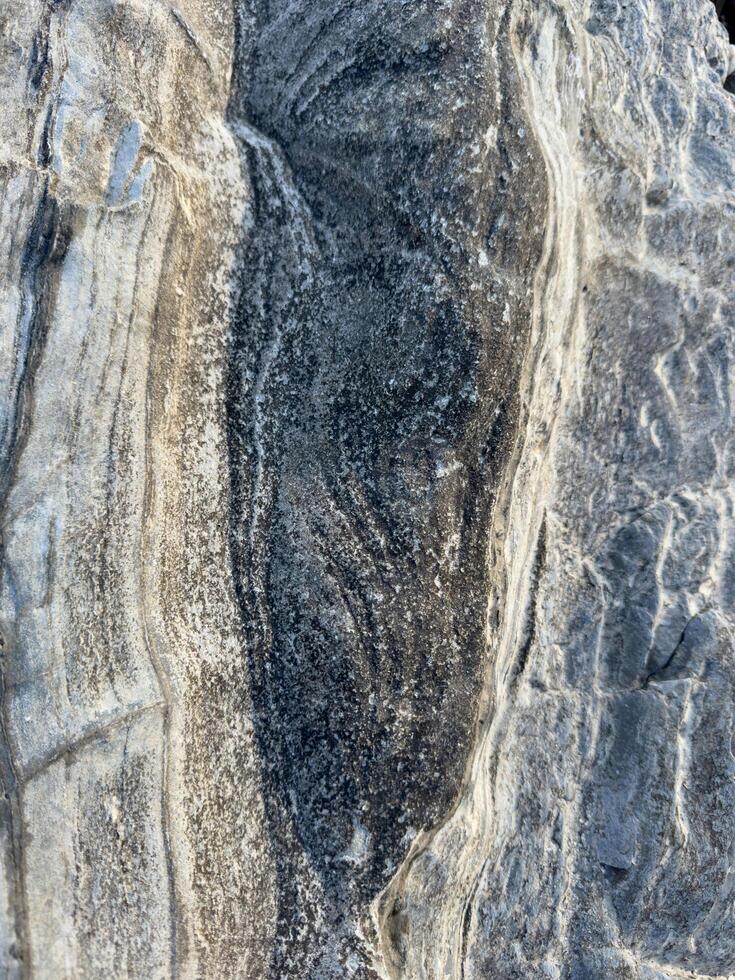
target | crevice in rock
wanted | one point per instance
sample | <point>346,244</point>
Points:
<point>614,874</point>
<point>674,663</point>
<point>537,572</point>
<point>726,13</point>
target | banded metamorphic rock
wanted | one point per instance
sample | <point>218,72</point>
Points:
<point>367,596</point>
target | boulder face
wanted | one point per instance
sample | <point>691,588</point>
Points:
<point>367,522</point>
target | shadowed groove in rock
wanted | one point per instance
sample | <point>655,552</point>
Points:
<point>726,13</point>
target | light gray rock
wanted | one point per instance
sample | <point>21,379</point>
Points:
<point>366,596</point>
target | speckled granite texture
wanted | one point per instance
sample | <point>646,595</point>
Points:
<point>367,571</point>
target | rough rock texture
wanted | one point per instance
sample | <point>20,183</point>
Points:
<point>367,596</point>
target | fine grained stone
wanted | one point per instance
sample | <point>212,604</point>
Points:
<point>367,522</point>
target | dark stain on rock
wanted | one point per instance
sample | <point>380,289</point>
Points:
<point>372,405</point>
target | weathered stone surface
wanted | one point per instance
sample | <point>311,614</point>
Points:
<point>367,515</point>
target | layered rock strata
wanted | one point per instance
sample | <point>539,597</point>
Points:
<point>367,528</point>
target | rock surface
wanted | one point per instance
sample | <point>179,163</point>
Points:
<point>367,519</point>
